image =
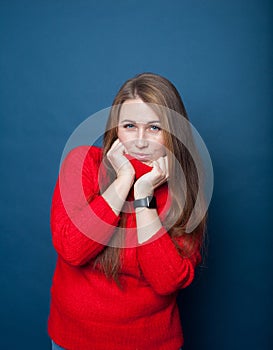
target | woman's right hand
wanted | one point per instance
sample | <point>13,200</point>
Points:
<point>118,190</point>
<point>121,165</point>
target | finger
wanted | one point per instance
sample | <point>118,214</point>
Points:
<point>162,164</point>
<point>121,147</point>
<point>157,171</point>
<point>116,146</point>
<point>167,166</point>
<point>155,164</point>
<point>113,146</point>
<point>125,149</point>
<point>116,142</point>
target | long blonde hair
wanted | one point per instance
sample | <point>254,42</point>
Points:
<point>164,98</point>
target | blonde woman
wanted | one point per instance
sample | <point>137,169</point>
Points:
<point>119,221</point>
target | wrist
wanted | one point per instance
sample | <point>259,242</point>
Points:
<point>126,178</point>
<point>142,193</point>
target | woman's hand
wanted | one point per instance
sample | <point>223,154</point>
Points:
<point>147,183</point>
<point>119,162</point>
<point>116,194</point>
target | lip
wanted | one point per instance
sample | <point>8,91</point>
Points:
<point>142,156</point>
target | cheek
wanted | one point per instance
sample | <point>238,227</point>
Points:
<point>158,149</point>
<point>162,150</point>
<point>121,135</point>
<point>159,142</point>
<point>124,137</point>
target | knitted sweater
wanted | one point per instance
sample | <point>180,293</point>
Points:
<point>89,310</point>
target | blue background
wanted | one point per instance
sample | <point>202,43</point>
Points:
<point>62,61</point>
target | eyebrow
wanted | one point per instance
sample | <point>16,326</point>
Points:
<point>134,122</point>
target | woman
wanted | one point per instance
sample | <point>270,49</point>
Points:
<point>119,221</point>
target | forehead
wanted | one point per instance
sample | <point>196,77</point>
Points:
<point>138,111</point>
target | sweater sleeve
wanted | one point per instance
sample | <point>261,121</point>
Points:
<point>80,229</point>
<point>163,267</point>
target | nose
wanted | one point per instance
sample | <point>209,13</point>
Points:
<point>141,141</point>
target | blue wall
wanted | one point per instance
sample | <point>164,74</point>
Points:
<point>63,60</point>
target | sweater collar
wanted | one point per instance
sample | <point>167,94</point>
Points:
<point>140,168</point>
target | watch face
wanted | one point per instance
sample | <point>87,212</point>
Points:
<point>152,202</point>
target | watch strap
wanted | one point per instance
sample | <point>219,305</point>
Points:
<point>147,202</point>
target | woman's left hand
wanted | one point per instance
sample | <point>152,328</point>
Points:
<point>147,183</point>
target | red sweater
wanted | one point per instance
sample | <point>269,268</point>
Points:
<point>89,311</point>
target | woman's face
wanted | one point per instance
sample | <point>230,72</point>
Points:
<point>139,129</point>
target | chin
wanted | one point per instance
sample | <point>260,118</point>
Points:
<point>148,162</point>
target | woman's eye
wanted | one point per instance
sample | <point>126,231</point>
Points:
<point>155,128</point>
<point>128,126</point>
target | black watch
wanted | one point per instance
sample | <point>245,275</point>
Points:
<point>147,202</point>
